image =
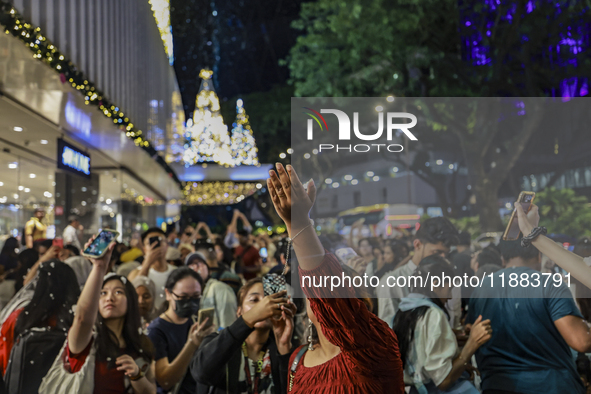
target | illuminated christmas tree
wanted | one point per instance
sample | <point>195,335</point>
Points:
<point>244,150</point>
<point>208,138</point>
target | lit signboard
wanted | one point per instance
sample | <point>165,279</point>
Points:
<point>72,159</point>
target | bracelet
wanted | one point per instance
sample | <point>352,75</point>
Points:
<point>299,232</point>
<point>139,375</point>
<point>289,242</point>
<point>527,240</point>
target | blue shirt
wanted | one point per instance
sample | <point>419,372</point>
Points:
<point>168,340</point>
<point>526,353</point>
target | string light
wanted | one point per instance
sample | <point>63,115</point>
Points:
<point>244,150</point>
<point>217,193</point>
<point>208,138</point>
<point>48,53</point>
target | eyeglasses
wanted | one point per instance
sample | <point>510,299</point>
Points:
<point>186,298</point>
<point>189,234</point>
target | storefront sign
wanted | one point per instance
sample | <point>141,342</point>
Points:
<point>71,159</point>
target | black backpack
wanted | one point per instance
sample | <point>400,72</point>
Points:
<point>32,355</point>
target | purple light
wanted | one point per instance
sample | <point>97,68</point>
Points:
<point>468,23</point>
<point>488,33</point>
<point>584,89</point>
<point>530,6</point>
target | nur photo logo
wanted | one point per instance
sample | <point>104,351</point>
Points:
<point>344,133</point>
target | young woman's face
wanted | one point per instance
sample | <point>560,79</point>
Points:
<point>388,255</point>
<point>364,248</point>
<point>113,301</point>
<point>253,296</point>
<point>145,300</point>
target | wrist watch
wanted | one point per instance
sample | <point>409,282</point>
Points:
<point>139,375</point>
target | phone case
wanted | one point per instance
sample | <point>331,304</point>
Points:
<point>514,214</point>
<point>273,283</point>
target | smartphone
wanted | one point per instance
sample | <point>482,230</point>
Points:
<point>273,283</point>
<point>512,232</point>
<point>99,246</point>
<point>59,242</point>
<point>204,314</point>
<point>345,255</point>
<point>156,239</point>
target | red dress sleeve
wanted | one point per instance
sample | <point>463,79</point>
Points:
<point>7,338</point>
<point>368,344</point>
<point>76,361</point>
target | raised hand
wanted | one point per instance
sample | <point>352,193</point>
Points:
<point>529,221</point>
<point>266,308</point>
<point>283,328</point>
<point>292,202</point>
<point>198,332</point>
<point>101,262</point>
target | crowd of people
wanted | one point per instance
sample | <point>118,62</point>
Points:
<point>130,322</point>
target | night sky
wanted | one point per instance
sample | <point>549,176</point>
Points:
<point>241,40</point>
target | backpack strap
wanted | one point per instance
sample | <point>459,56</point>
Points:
<point>295,363</point>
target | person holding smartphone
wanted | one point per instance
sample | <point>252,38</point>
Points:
<point>251,355</point>
<point>175,334</point>
<point>108,319</point>
<point>154,265</point>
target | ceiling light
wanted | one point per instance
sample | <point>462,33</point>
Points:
<point>12,166</point>
<point>32,176</point>
<point>44,142</point>
<point>27,190</point>
<point>21,187</point>
<point>19,129</point>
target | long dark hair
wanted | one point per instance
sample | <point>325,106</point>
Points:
<point>27,258</point>
<point>405,322</point>
<point>10,247</point>
<point>56,292</point>
<point>137,344</point>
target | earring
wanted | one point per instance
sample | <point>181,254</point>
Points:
<point>310,338</point>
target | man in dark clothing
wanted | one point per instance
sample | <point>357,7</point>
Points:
<point>533,326</point>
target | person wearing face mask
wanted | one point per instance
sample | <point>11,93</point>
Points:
<point>174,334</point>
<point>216,294</point>
<point>252,355</point>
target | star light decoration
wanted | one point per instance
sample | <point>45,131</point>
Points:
<point>244,150</point>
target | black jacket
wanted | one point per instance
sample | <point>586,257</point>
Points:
<point>220,354</point>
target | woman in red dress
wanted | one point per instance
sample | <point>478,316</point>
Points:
<point>356,352</point>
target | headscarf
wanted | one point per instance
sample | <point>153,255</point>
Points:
<point>81,267</point>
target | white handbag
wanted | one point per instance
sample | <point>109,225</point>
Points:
<point>59,381</point>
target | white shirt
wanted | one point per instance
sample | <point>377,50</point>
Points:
<point>70,237</point>
<point>159,279</point>
<point>389,297</point>
<point>432,350</point>
<point>220,296</point>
